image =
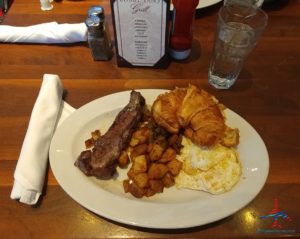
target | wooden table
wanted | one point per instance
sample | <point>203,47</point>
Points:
<point>267,95</point>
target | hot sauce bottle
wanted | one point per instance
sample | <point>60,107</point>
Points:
<point>181,33</point>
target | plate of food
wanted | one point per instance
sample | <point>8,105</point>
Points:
<point>159,159</point>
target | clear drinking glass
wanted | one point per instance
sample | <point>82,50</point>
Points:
<point>238,29</point>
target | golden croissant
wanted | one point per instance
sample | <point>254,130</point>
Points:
<point>197,113</point>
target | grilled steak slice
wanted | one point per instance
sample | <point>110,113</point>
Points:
<point>101,160</point>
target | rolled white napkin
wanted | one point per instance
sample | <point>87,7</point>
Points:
<point>48,113</point>
<point>48,33</point>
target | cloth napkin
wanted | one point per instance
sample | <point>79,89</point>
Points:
<point>48,113</point>
<point>48,33</point>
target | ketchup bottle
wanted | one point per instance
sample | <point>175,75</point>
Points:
<point>181,34</point>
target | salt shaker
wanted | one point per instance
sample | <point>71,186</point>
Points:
<point>97,39</point>
<point>96,11</point>
<point>99,12</point>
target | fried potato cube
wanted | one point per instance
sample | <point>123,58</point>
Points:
<point>150,147</point>
<point>168,155</point>
<point>156,152</point>
<point>133,142</point>
<point>139,150</point>
<point>135,190</point>
<point>129,150</point>
<point>126,185</point>
<point>142,135</point>
<point>168,180</point>
<point>130,173</point>
<point>173,139</point>
<point>96,134</point>
<point>162,141</point>
<point>174,166</point>
<point>231,137</point>
<point>149,192</point>
<point>141,180</point>
<point>157,170</point>
<point>89,143</point>
<point>123,159</point>
<point>156,185</point>
<point>139,164</point>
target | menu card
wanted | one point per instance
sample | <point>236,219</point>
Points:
<point>141,32</point>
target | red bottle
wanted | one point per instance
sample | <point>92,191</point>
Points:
<point>181,34</point>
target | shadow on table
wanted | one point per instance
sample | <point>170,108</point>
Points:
<point>170,231</point>
<point>268,6</point>
<point>243,82</point>
<point>275,5</point>
<point>208,11</point>
<point>195,53</point>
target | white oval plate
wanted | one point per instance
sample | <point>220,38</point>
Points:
<point>173,208</point>
<point>204,3</point>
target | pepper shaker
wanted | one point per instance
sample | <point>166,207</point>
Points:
<point>99,12</point>
<point>98,39</point>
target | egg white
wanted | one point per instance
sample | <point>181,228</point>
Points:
<point>214,170</point>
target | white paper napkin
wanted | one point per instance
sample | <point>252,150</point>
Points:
<point>48,112</point>
<point>48,33</point>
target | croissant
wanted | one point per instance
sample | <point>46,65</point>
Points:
<point>195,111</point>
<point>164,109</point>
<point>194,101</point>
<point>207,126</point>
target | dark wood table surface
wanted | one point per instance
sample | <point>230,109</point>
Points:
<point>267,95</point>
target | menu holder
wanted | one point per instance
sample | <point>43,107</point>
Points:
<point>141,30</point>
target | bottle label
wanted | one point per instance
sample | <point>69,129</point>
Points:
<point>140,27</point>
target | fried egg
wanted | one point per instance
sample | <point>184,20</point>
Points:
<point>215,170</point>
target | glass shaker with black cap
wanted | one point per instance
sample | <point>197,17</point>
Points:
<point>98,38</point>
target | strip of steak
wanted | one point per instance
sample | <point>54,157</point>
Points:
<point>101,160</point>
